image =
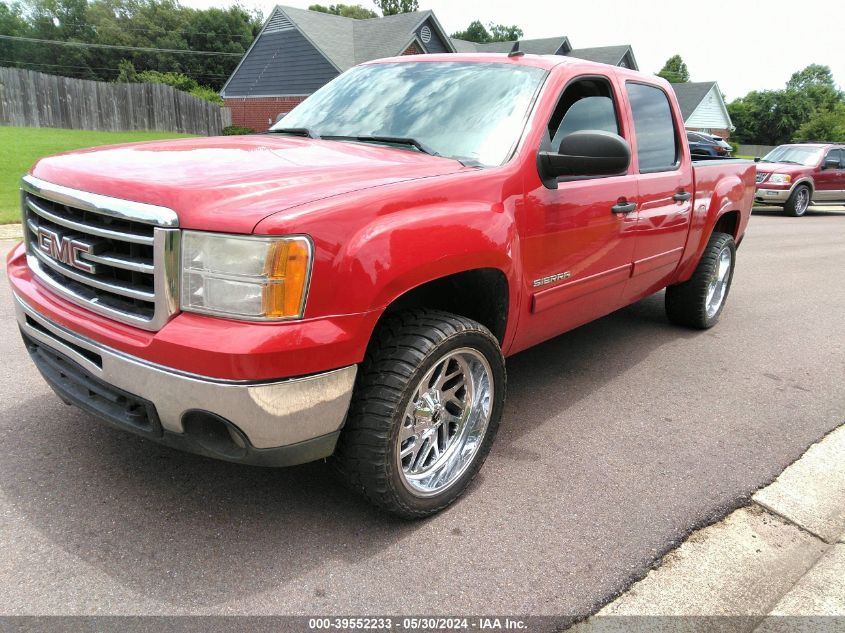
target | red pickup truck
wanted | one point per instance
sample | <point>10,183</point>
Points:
<point>350,283</point>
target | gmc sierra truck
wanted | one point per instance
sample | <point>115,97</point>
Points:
<point>350,283</point>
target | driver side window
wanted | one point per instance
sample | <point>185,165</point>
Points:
<point>586,104</point>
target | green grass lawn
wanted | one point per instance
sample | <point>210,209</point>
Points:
<point>20,147</point>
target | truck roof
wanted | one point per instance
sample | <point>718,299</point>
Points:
<point>547,62</point>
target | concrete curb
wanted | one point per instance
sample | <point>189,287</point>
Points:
<point>11,231</point>
<point>782,555</point>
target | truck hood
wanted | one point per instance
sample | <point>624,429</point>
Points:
<point>782,168</point>
<point>232,183</point>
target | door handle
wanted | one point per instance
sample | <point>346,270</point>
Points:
<point>682,196</point>
<point>624,207</point>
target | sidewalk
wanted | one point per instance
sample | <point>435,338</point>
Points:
<point>782,555</point>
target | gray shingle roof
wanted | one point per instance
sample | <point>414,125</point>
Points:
<point>385,37</point>
<point>542,46</point>
<point>690,94</point>
<point>602,54</point>
<point>463,46</point>
<point>347,42</point>
<point>332,34</point>
<point>545,46</point>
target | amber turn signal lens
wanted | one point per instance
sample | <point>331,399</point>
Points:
<point>287,273</point>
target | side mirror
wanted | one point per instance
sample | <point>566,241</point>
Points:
<point>757,159</point>
<point>831,163</point>
<point>585,153</point>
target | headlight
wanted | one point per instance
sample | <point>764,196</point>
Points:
<point>780,179</point>
<point>246,277</point>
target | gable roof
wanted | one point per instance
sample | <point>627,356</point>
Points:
<point>605,54</point>
<point>333,35</point>
<point>540,46</point>
<point>690,94</point>
<point>347,42</point>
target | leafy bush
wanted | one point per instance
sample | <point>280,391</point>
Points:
<point>175,80</point>
<point>235,130</point>
<point>209,94</point>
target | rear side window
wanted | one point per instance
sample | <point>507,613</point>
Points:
<point>657,143</point>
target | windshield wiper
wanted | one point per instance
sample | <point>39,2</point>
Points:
<point>295,131</point>
<point>391,140</point>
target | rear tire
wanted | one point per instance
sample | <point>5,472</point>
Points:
<point>798,201</point>
<point>425,411</point>
<point>698,302</point>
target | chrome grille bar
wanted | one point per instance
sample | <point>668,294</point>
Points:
<point>86,228</point>
<point>89,280</point>
<point>126,263</point>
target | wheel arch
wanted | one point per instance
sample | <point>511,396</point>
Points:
<point>481,294</point>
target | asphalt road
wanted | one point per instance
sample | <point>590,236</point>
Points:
<point>618,439</point>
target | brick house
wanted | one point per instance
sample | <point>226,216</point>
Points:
<point>703,108</point>
<point>298,51</point>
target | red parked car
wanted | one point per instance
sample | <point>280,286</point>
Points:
<point>351,283</point>
<point>797,175</point>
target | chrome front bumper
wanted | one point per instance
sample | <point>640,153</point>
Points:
<point>774,196</point>
<point>303,415</point>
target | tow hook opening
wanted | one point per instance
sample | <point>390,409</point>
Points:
<point>215,434</point>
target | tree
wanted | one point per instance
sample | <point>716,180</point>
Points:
<point>503,33</point>
<point>355,11</point>
<point>813,75</point>
<point>823,126</point>
<point>11,23</point>
<point>674,70</point>
<point>394,7</point>
<point>809,106</point>
<point>141,23</point>
<point>477,32</point>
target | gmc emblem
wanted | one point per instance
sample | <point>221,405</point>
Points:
<point>65,249</point>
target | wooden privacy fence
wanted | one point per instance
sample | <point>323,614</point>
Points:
<point>33,99</point>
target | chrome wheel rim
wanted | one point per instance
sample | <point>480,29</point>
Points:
<point>718,287</point>
<point>445,422</point>
<point>802,200</point>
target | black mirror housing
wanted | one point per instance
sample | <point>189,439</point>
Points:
<point>757,159</point>
<point>584,154</point>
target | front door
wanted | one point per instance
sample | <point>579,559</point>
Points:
<point>830,179</point>
<point>577,238</point>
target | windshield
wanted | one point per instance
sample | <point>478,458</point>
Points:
<point>795,154</point>
<point>473,112</point>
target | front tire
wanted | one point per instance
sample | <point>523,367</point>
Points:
<point>798,201</point>
<point>425,412</point>
<point>699,302</point>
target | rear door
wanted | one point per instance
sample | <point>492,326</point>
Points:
<point>665,188</point>
<point>829,180</point>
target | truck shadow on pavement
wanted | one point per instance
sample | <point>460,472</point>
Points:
<point>198,533</point>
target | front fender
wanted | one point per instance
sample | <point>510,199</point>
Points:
<point>401,251</point>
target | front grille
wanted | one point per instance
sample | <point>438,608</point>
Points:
<point>761,176</point>
<point>115,257</point>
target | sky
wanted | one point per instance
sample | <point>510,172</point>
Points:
<point>741,44</point>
